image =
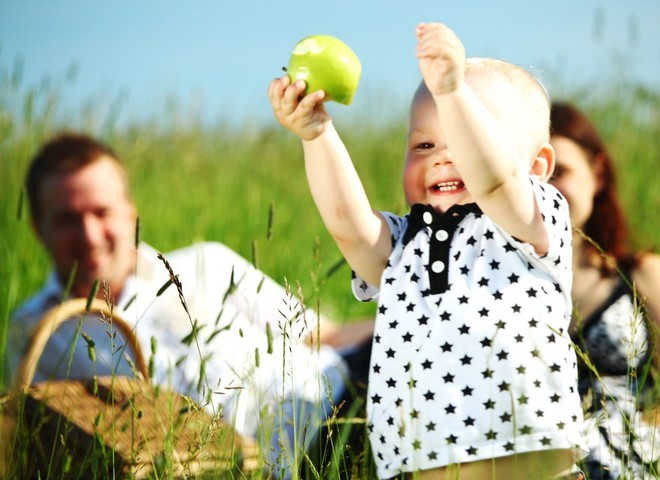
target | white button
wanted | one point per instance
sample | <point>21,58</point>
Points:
<point>428,218</point>
<point>441,235</point>
<point>438,266</point>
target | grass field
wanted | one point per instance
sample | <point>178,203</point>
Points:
<point>245,186</point>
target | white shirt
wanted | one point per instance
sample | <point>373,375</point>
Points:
<point>471,356</point>
<point>231,367</point>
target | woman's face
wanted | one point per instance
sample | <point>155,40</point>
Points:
<point>575,178</point>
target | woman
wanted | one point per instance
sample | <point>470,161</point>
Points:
<point>616,294</point>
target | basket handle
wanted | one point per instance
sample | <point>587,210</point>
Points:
<point>66,311</point>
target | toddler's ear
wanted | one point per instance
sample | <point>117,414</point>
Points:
<point>544,162</point>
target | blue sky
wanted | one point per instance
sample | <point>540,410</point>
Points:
<point>218,56</point>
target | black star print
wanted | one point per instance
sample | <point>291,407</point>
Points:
<point>483,282</point>
<point>390,421</point>
<point>486,342</point>
<point>516,308</point>
<point>376,368</point>
<point>488,234</point>
<point>414,413</point>
<point>464,270</point>
<point>429,395</point>
<point>450,409</point>
<point>402,297</point>
<point>418,252</point>
<point>414,278</point>
<point>390,353</point>
<point>463,299</point>
<point>513,278</point>
<point>471,451</point>
<point>522,399</point>
<point>468,422</point>
<point>531,292</point>
<point>561,425</point>
<point>488,373</point>
<point>509,248</point>
<point>407,337</point>
<point>508,446</point>
<point>393,324</point>
<point>502,355</point>
<point>445,316</point>
<point>505,417</point>
<point>555,398</point>
<point>449,378</point>
<point>433,455</point>
<point>525,430</point>
<point>466,360</point>
<point>491,435</point>
<point>500,324</point>
<point>545,441</point>
<point>494,265</point>
<point>539,413</point>
<point>416,444</point>
<point>382,309</point>
<point>376,398</point>
<point>446,347</point>
<point>430,427</point>
<point>464,329</point>
<point>519,338</point>
<point>471,241</point>
<point>521,369</point>
<point>410,307</point>
<point>489,404</point>
<point>377,338</point>
<point>467,391</point>
<point>551,338</point>
<point>391,383</point>
<point>423,320</point>
<point>426,364</point>
<point>483,312</point>
<point>451,439</point>
<point>533,323</point>
<point>497,295</point>
<point>555,368</point>
<point>426,292</point>
<point>503,386</point>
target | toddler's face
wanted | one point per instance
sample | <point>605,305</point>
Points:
<point>429,174</point>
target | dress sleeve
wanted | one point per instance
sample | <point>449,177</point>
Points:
<point>363,290</point>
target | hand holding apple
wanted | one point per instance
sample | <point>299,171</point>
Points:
<point>326,63</point>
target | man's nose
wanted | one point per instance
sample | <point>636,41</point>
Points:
<point>91,229</point>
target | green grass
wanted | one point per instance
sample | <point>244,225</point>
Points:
<point>245,186</point>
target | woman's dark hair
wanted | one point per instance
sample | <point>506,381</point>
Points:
<point>607,226</point>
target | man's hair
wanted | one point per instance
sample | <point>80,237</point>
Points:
<point>65,153</point>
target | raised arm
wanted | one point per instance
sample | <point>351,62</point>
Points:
<point>473,116</point>
<point>360,233</point>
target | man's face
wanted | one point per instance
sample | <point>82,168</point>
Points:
<point>87,219</point>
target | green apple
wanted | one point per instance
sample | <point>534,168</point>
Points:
<point>326,63</point>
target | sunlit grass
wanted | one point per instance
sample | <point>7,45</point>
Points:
<point>246,187</point>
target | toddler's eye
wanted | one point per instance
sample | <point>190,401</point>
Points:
<point>425,146</point>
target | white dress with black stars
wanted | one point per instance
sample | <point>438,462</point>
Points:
<point>471,357</point>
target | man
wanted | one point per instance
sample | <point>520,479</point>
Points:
<point>217,329</point>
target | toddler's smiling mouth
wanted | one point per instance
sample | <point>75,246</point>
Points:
<point>448,186</point>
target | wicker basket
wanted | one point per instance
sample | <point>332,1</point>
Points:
<point>111,426</point>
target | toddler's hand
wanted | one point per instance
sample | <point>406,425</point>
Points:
<point>441,57</point>
<point>305,117</point>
